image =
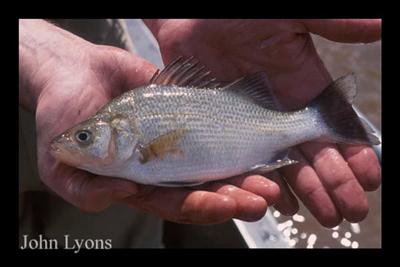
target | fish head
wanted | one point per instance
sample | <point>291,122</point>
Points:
<point>88,143</point>
<point>97,144</point>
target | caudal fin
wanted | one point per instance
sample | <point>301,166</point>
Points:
<point>343,123</point>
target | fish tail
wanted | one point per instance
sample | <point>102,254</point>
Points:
<point>335,109</point>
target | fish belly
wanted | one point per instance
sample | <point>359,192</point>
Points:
<point>205,157</point>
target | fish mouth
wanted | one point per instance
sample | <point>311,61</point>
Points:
<point>56,143</point>
<point>61,154</point>
<point>55,148</point>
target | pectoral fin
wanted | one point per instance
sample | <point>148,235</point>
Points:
<point>161,146</point>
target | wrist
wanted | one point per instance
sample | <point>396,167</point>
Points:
<point>44,49</point>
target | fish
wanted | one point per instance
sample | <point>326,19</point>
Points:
<point>185,128</point>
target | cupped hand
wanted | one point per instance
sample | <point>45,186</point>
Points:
<point>330,179</point>
<point>73,86</point>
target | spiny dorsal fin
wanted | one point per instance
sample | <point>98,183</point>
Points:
<point>256,87</point>
<point>184,72</point>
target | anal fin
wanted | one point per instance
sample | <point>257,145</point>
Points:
<point>263,168</point>
<point>179,183</point>
<point>281,159</point>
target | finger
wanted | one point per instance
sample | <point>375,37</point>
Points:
<point>87,191</point>
<point>308,187</point>
<point>346,30</point>
<point>125,70</point>
<point>287,203</point>
<point>184,205</point>
<point>249,206</point>
<point>258,185</point>
<point>364,164</point>
<point>338,179</point>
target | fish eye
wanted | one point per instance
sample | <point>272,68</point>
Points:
<point>83,136</point>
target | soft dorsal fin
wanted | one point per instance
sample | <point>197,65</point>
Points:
<point>184,72</point>
<point>257,88</point>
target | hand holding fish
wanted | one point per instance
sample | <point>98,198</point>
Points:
<point>65,80</point>
<point>330,179</point>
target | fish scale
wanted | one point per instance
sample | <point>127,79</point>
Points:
<point>225,134</point>
<point>183,128</point>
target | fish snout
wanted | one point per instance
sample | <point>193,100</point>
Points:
<point>54,145</point>
<point>59,142</point>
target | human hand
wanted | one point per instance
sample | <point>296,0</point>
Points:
<point>65,79</point>
<point>330,179</point>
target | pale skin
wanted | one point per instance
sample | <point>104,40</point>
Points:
<point>64,80</point>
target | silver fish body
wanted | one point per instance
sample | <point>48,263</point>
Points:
<point>225,135</point>
<point>183,129</point>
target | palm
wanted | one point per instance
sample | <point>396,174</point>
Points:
<point>329,179</point>
<point>232,45</point>
<point>80,90</point>
<point>74,93</point>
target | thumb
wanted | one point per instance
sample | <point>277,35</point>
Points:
<point>346,30</point>
<point>134,70</point>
